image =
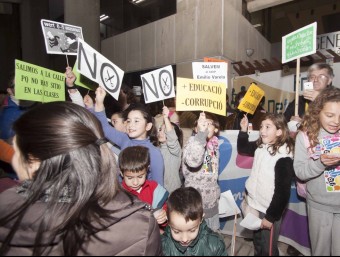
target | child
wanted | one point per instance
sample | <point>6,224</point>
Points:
<point>322,119</point>
<point>118,121</point>
<point>200,166</point>
<point>170,137</point>
<point>134,163</point>
<point>140,131</point>
<point>187,234</point>
<point>269,183</point>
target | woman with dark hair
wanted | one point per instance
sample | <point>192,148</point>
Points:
<point>69,202</point>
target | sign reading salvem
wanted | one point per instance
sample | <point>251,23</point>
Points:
<point>96,67</point>
<point>211,71</point>
<point>61,38</point>
<point>251,99</point>
<point>158,85</point>
<point>198,95</point>
<point>38,84</point>
<point>299,43</point>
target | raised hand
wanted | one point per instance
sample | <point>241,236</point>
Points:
<point>244,123</point>
<point>70,77</point>
<point>100,96</point>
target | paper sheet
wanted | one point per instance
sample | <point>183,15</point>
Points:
<point>251,222</point>
<point>227,206</point>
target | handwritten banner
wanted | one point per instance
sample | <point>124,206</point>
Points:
<point>96,67</point>
<point>61,38</point>
<point>38,84</point>
<point>299,43</point>
<point>158,85</point>
<point>251,99</point>
<point>197,95</point>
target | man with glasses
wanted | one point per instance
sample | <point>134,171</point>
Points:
<point>321,74</point>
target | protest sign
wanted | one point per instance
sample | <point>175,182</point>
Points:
<point>61,38</point>
<point>96,67</point>
<point>251,99</point>
<point>299,43</point>
<point>38,84</point>
<point>83,81</point>
<point>158,85</point>
<point>211,71</point>
<point>197,95</point>
<point>295,45</point>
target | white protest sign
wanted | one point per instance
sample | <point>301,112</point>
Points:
<point>158,85</point>
<point>61,38</point>
<point>96,67</point>
<point>211,71</point>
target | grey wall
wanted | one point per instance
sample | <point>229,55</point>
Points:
<point>200,28</point>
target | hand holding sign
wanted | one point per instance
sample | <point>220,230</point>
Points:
<point>100,96</point>
<point>202,123</point>
<point>244,124</point>
<point>70,77</point>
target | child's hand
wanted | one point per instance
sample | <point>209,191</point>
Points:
<point>166,112</point>
<point>329,160</point>
<point>266,224</point>
<point>88,102</point>
<point>160,216</point>
<point>70,77</point>
<point>202,123</point>
<point>100,95</point>
<point>244,124</point>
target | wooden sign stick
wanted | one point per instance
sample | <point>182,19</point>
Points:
<point>297,87</point>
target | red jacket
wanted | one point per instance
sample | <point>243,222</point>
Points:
<point>147,194</point>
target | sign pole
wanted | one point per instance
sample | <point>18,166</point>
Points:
<point>297,87</point>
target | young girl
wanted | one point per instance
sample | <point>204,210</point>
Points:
<point>269,183</point>
<point>200,166</point>
<point>140,131</point>
<point>170,137</point>
<point>323,205</point>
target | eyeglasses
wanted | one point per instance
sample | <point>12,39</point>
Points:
<point>319,77</point>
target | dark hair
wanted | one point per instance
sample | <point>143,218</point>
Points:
<point>213,117</point>
<point>71,35</point>
<point>68,142</point>
<point>134,159</point>
<point>186,201</point>
<point>130,96</point>
<point>280,123</point>
<point>179,133</point>
<point>152,133</point>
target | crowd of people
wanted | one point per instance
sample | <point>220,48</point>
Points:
<point>138,185</point>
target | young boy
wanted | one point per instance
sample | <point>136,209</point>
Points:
<point>187,232</point>
<point>134,164</point>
